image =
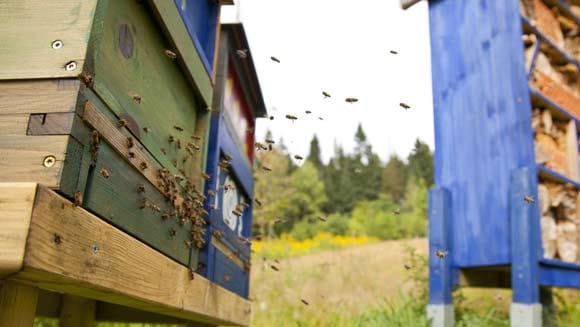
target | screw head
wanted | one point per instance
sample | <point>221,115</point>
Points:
<point>72,65</point>
<point>49,161</point>
<point>57,44</point>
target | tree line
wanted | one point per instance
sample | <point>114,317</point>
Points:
<point>354,193</point>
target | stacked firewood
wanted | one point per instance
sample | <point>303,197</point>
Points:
<point>550,141</point>
<point>559,222</point>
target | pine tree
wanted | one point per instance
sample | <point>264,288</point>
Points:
<point>314,154</point>
<point>421,162</point>
<point>394,179</point>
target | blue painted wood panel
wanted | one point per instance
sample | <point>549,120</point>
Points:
<point>201,19</point>
<point>482,121</point>
<point>440,271</point>
<point>229,275</point>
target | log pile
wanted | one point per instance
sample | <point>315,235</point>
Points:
<point>559,221</point>
<point>550,141</point>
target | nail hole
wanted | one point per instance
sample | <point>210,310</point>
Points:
<point>71,66</point>
<point>95,249</point>
<point>49,161</point>
<point>57,44</point>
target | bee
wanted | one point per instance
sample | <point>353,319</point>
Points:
<point>171,139</point>
<point>407,267</point>
<point>228,157</point>
<point>122,122</point>
<point>260,146</point>
<point>137,98</point>
<point>297,157</point>
<point>244,204</point>
<point>529,199</point>
<point>105,173</point>
<point>95,137</point>
<point>397,211</point>
<point>270,141</point>
<point>172,231</point>
<point>191,274</point>
<point>304,302</point>
<point>185,158</point>
<point>277,261</point>
<point>351,100</point>
<point>187,244</point>
<point>274,268</point>
<point>271,117</point>
<point>242,53</point>
<point>213,206</point>
<point>195,137</point>
<point>131,154</point>
<point>130,142</point>
<point>394,52</point>
<point>146,129</point>
<point>86,78</point>
<point>210,193</point>
<point>174,163</point>
<point>78,199</point>
<point>292,118</point>
<point>237,212</point>
<point>441,254</point>
<point>170,54</point>
<point>357,171</point>
<point>244,240</point>
<point>258,202</point>
<point>164,216</point>
<point>266,168</point>
<point>279,221</point>
<point>320,118</point>
<point>143,165</point>
<point>205,176</point>
<point>193,145</point>
<point>228,187</point>
<point>274,59</point>
<point>144,204</point>
<point>404,105</point>
<point>178,144</point>
<point>163,150</point>
<point>178,128</point>
<point>321,218</point>
<point>308,112</point>
<point>326,94</point>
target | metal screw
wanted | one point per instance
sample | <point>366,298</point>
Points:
<point>72,65</point>
<point>57,44</point>
<point>95,249</point>
<point>49,161</point>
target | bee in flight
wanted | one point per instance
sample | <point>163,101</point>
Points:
<point>351,100</point>
<point>529,199</point>
<point>274,59</point>
<point>326,94</point>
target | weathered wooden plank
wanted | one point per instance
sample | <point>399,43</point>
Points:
<point>116,198</point>
<point>13,124</point>
<point>96,260</point>
<point>77,311</point>
<point>51,123</point>
<point>16,200</point>
<point>39,96</point>
<point>22,159</point>
<point>167,13</point>
<point>127,77</point>
<point>39,38</point>
<point>17,304</point>
<point>117,313</point>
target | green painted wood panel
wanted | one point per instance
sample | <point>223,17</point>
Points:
<point>117,200</point>
<point>141,84</point>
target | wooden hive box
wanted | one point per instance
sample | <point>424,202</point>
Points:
<point>107,102</point>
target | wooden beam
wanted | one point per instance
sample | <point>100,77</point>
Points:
<point>96,260</point>
<point>77,312</point>
<point>17,304</point>
<point>16,201</point>
<point>13,124</point>
<point>38,96</point>
<point>117,313</point>
<point>39,38</point>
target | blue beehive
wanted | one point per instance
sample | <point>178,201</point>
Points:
<point>237,103</point>
<point>490,93</point>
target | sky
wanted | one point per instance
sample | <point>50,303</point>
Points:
<point>341,47</point>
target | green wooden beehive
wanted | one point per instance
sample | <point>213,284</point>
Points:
<point>107,102</point>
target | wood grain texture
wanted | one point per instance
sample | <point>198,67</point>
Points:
<point>16,201</point>
<point>21,159</point>
<point>60,123</point>
<point>13,124</point>
<point>96,260</point>
<point>38,96</point>
<point>77,311</point>
<point>29,28</point>
<point>17,304</point>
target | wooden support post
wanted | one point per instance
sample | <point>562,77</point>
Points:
<point>440,308</point>
<point>526,309</point>
<point>77,311</point>
<point>17,304</point>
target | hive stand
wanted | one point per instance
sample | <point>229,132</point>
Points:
<point>484,89</point>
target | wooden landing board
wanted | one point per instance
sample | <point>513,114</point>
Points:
<point>70,250</point>
<point>29,29</point>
